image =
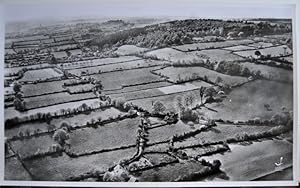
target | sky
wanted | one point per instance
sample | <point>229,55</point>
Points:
<point>139,8</point>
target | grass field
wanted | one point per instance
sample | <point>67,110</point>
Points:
<point>166,132</point>
<point>247,101</point>
<point>115,80</point>
<point>56,98</point>
<point>97,62</point>
<point>116,66</point>
<point>89,139</point>
<point>269,72</point>
<point>15,171</point>
<point>60,54</point>
<point>42,88</point>
<point>41,74</point>
<point>30,146</point>
<point>167,100</point>
<point>130,50</point>
<point>171,54</point>
<point>217,55</point>
<point>11,112</point>
<point>170,172</point>
<point>239,48</point>
<point>273,51</point>
<point>259,45</point>
<point>221,132</point>
<point>63,167</point>
<point>81,119</point>
<point>173,73</point>
<point>14,70</point>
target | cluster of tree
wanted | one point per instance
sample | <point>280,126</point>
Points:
<point>208,169</point>
<point>236,69</point>
<point>183,31</point>
<point>18,102</point>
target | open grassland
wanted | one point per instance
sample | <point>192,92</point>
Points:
<point>254,160</point>
<point>247,101</point>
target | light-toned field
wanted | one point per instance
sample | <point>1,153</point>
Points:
<point>247,101</point>
<point>276,51</point>
<point>173,73</point>
<point>217,55</point>
<point>41,74</point>
<point>129,50</point>
<point>183,87</point>
<point>171,54</point>
<point>60,54</point>
<point>208,45</point>
<point>259,45</point>
<point>255,160</point>
<point>15,70</point>
<point>239,48</point>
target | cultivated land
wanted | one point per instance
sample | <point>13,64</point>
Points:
<point>133,101</point>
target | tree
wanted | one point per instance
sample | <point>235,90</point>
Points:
<point>246,72</point>
<point>201,93</point>
<point>210,92</point>
<point>17,87</point>
<point>60,136</point>
<point>19,104</point>
<point>257,53</point>
<point>158,107</point>
<point>179,103</point>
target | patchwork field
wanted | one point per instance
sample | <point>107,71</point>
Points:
<point>130,50</point>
